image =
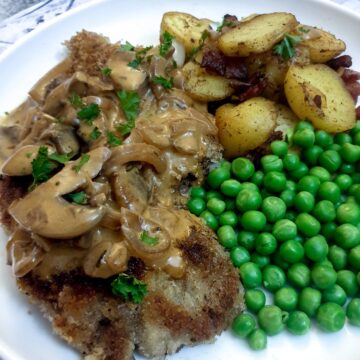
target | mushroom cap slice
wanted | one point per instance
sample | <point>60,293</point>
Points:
<point>45,212</point>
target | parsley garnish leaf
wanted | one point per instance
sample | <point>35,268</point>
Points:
<point>135,63</point>
<point>286,47</point>
<point>112,139</point>
<point>165,83</point>
<point>139,57</point>
<point>42,166</point>
<point>95,133</point>
<point>226,23</point>
<point>166,43</point>
<point>77,198</point>
<point>60,158</point>
<point>83,160</point>
<point>303,30</point>
<point>195,50</point>
<point>89,113</point>
<point>130,103</point>
<point>129,288</point>
<point>148,240</point>
<point>127,47</point>
<point>126,128</point>
<point>76,101</point>
<point>106,71</point>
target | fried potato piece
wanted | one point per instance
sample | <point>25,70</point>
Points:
<point>205,87</point>
<point>317,93</point>
<point>257,35</point>
<point>323,46</point>
<point>286,119</point>
<point>246,126</point>
<point>186,29</point>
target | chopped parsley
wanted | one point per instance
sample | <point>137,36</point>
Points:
<point>83,160</point>
<point>95,133</point>
<point>225,23</point>
<point>148,240</point>
<point>42,166</point>
<point>89,113</point>
<point>286,47</point>
<point>127,47</point>
<point>77,198</point>
<point>135,63</point>
<point>195,50</point>
<point>130,105</point>
<point>112,139</point>
<point>303,30</point>
<point>166,43</point>
<point>76,101</point>
<point>139,57</point>
<point>129,288</point>
<point>165,83</point>
<point>60,158</point>
<point>106,71</point>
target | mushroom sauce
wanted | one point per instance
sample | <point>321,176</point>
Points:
<point>130,181</point>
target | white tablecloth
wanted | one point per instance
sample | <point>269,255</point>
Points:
<point>27,20</point>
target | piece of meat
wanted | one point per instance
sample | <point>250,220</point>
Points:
<point>343,61</point>
<point>351,78</point>
<point>185,311</point>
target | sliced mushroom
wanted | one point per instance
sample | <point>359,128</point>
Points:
<point>44,210</point>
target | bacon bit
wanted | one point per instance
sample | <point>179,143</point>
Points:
<point>358,113</point>
<point>351,78</point>
<point>317,101</point>
<point>350,75</point>
<point>230,67</point>
<point>255,88</point>
<point>339,62</point>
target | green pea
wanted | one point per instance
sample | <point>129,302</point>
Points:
<point>356,139</point>
<point>328,190</point>
<point>250,275</point>
<point>243,325</point>
<point>257,178</point>
<point>298,323</point>
<point>304,201</point>
<point>253,220</point>
<point>343,181</point>
<point>249,186</point>
<point>230,204</point>
<point>239,255</point>
<point>305,138</point>
<point>304,125</point>
<point>216,206</point>
<point>271,163</point>
<point>350,153</point>
<point>230,187</point>
<point>246,239</point>
<point>316,248</point>
<point>338,257</point>
<point>358,278</point>
<point>309,301</point>
<point>242,168</point>
<point>335,294</point>
<point>209,219</point>
<point>228,218</point>
<point>217,176</point>
<point>291,185</point>
<point>323,276</point>
<point>346,168</point>
<point>254,299</point>
<point>288,197</point>
<point>257,340</point>
<point>324,211</point>
<point>309,183</point>
<point>307,224</point>
<point>342,138</point>
<point>260,260</point>
<point>286,299</point>
<point>270,319</point>
<point>321,173</point>
<point>197,192</point>
<point>225,165</point>
<point>275,181</point>
<point>212,194</point>
<point>328,230</point>
<point>311,154</point>
<point>330,160</point>
<point>299,275</point>
<point>227,236</point>
<point>330,317</point>
<point>323,139</point>
<point>347,236</point>
<point>354,188</point>
<point>248,200</point>
<point>291,251</point>
<point>353,312</point>
<point>279,148</point>
<point>196,206</point>
<point>291,161</point>
<point>354,257</point>
<point>273,208</point>
<point>273,277</point>
<point>279,261</point>
<point>300,172</point>
<point>290,215</point>
<point>347,280</point>
<point>348,213</point>
<point>355,129</point>
<point>334,147</point>
<point>265,243</point>
<point>284,229</point>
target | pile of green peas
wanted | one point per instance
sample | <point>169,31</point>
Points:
<point>292,227</point>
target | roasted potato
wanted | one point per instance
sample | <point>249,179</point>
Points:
<point>286,119</point>
<point>186,29</point>
<point>246,126</point>
<point>322,45</point>
<point>317,93</point>
<point>203,86</point>
<point>257,35</point>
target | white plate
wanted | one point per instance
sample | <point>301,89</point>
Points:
<point>24,335</point>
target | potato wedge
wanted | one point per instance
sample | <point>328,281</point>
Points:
<point>286,119</point>
<point>186,29</point>
<point>257,35</point>
<point>205,87</point>
<point>323,46</point>
<point>246,126</point>
<point>317,93</point>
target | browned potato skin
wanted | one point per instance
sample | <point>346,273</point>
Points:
<point>203,86</point>
<point>246,126</point>
<point>186,29</point>
<point>317,93</point>
<point>286,119</point>
<point>324,46</point>
<point>257,35</point>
